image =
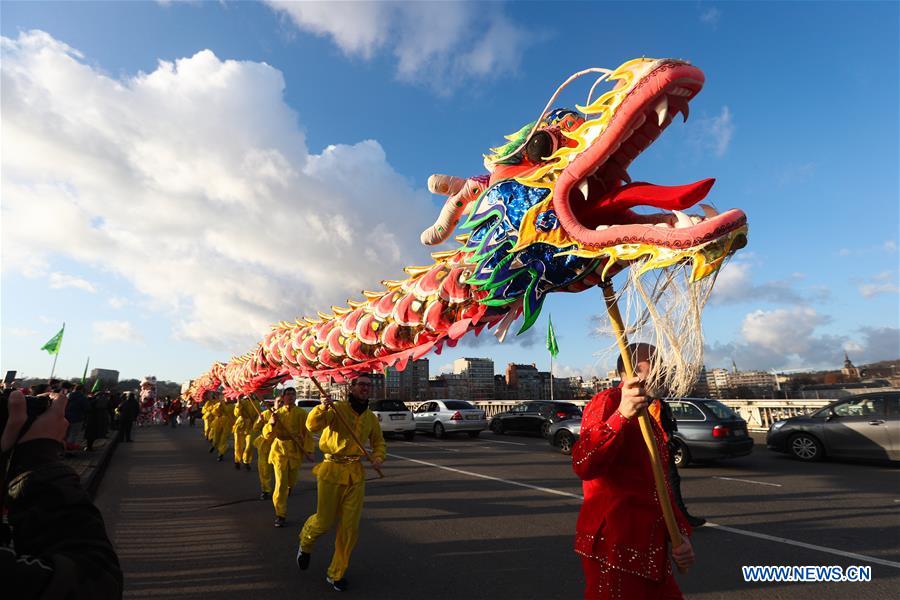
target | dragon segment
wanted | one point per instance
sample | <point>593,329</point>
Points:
<point>553,214</point>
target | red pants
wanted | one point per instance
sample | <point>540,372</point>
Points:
<point>605,583</point>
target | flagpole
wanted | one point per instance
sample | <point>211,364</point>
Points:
<point>56,354</point>
<point>53,369</point>
<point>551,377</point>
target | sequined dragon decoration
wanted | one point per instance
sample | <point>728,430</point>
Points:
<point>553,214</point>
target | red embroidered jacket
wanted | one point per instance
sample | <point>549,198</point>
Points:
<point>621,522</point>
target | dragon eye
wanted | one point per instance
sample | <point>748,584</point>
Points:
<point>540,146</point>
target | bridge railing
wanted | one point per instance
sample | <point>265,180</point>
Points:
<point>759,414</point>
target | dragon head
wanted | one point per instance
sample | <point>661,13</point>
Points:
<point>557,211</point>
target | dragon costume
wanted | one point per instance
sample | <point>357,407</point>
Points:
<point>554,213</point>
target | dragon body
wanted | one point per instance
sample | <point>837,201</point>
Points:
<point>553,214</point>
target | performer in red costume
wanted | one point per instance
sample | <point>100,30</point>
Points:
<point>621,535</point>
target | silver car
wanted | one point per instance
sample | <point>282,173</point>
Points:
<point>564,434</point>
<point>441,417</point>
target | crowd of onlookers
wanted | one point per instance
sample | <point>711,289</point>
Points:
<point>98,414</point>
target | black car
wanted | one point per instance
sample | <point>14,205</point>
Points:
<point>535,417</point>
<point>707,430</point>
<point>866,426</point>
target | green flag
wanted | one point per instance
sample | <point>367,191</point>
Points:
<point>552,346</point>
<point>52,346</point>
<point>96,387</point>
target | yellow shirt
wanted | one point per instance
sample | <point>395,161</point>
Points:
<point>290,427</point>
<point>336,441</point>
<point>245,416</point>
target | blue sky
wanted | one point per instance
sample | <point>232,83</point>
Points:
<point>168,210</point>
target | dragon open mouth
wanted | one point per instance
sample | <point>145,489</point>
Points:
<point>594,193</point>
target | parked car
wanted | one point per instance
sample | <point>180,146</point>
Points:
<point>707,430</point>
<point>866,426</point>
<point>564,434</point>
<point>441,417</point>
<point>307,405</point>
<point>535,416</point>
<point>394,417</point>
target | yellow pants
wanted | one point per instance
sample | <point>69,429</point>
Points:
<point>336,502</point>
<point>286,473</point>
<point>263,466</point>
<point>243,448</point>
<point>221,440</point>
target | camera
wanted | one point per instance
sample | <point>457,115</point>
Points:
<point>35,406</point>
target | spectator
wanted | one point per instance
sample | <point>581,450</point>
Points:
<point>92,421</point>
<point>76,410</point>
<point>55,544</point>
<point>128,412</point>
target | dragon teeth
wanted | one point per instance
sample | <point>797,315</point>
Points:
<point>682,219</point>
<point>709,211</point>
<point>583,188</point>
<point>601,227</point>
<point>663,225</point>
<point>662,109</point>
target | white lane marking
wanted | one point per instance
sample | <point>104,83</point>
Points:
<point>748,481</point>
<point>431,446</point>
<point>772,538</point>
<point>502,442</point>
<point>489,477</point>
<point>762,536</point>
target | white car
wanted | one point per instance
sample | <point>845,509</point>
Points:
<point>441,417</point>
<point>394,417</point>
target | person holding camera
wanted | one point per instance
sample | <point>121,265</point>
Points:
<point>54,543</point>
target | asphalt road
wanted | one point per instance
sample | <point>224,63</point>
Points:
<point>488,518</point>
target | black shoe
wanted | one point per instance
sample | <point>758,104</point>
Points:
<point>303,559</point>
<point>220,458</point>
<point>338,584</point>
<point>248,466</point>
<point>279,521</point>
<point>212,449</point>
<point>695,521</point>
<point>264,496</point>
<point>237,466</point>
<point>290,490</point>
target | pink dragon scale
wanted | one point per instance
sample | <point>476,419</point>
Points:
<point>553,214</point>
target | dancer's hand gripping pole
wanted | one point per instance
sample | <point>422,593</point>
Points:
<point>643,416</point>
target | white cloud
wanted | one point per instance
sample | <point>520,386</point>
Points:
<point>890,246</point>
<point>734,284</point>
<point>711,17</point>
<point>789,338</point>
<point>713,134</point>
<point>440,43</point>
<point>880,283</point>
<point>59,281</point>
<point>116,302</point>
<point>115,331</point>
<point>194,182</point>
<point>784,330</point>
<point>870,290</point>
<point>22,332</point>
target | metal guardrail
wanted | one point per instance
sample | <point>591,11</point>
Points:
<point>759,414</point>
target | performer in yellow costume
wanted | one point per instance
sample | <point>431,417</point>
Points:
<point>341,477</point>
<point>211,401</point>
<point>245,416</point>
<point>263,447</point>
<point>286,429</point>
<point>224,426</point>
